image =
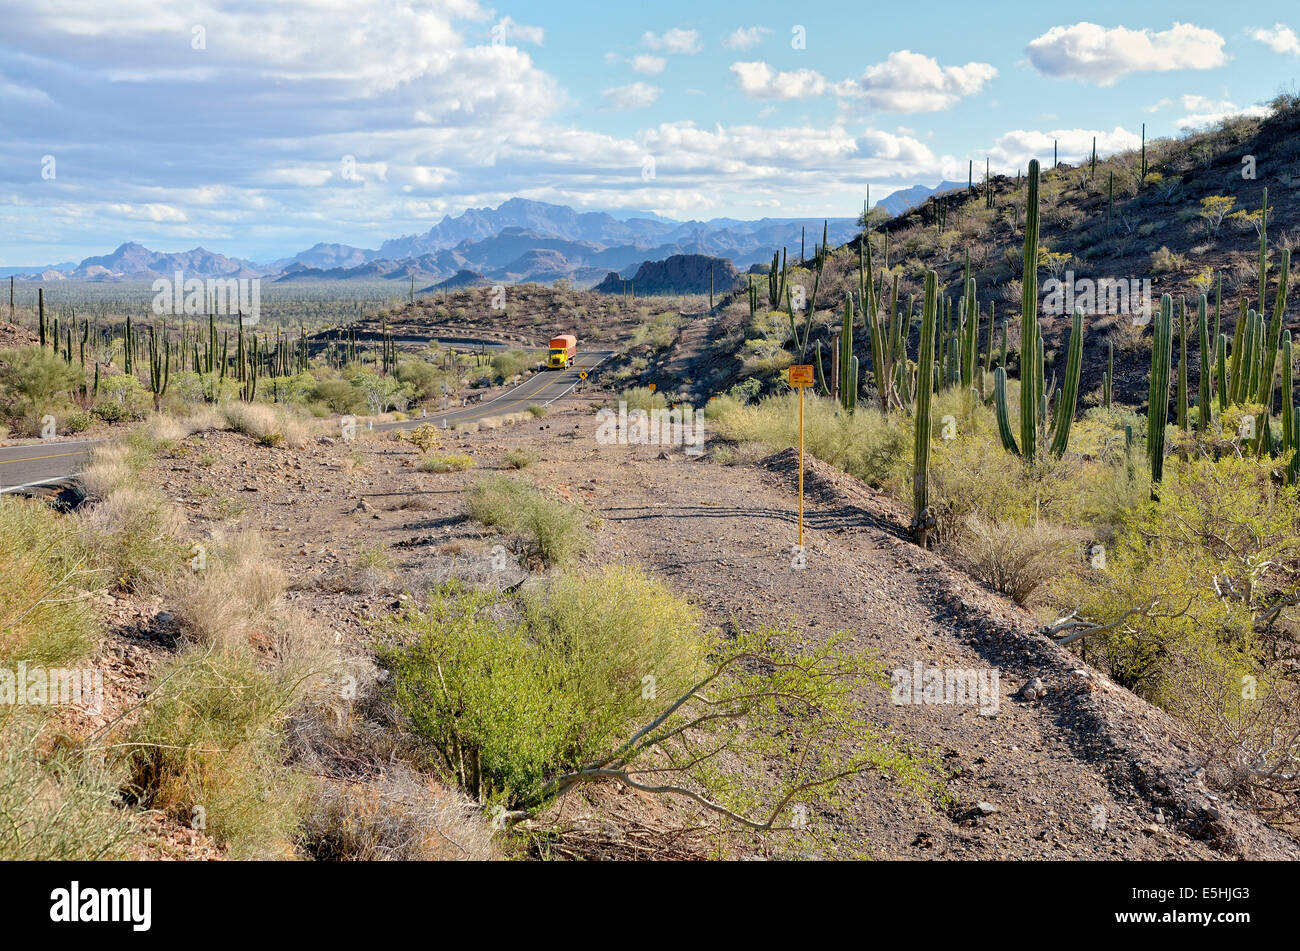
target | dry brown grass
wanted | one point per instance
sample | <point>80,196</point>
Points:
<point>400,817</point>
<point>1015,559</point>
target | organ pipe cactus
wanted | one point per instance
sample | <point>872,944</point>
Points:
<point>1068,403</point>
<point>923,520</point>
<point>1162,352</point>
<point>1205,399</point>
<point>848,363</point>
<point>160,363</point>
<point>1031,384</point>
<point>1182,366</point>
<point>1269,364</point>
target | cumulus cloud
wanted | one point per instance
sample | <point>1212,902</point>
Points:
<point>432,116</point>
<point>745,37</point>
<point>645,63</point>
<point>911,82</point>
<point>1203,111</point>
<point>758,80</point>
<point>675,40</point>
<point>904,82</point>
<point>1280,39</point>
<point>1095,54</point>
<point>1014,149</point>
<point>632,96</point>
<point>506,30</point>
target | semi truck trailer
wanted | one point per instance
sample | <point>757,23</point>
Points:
<point>563,350</point>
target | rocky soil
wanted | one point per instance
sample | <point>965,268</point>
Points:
<point>1073,767</point>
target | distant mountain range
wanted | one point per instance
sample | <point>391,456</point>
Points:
<point>904,200</point>
<point>521,240</point>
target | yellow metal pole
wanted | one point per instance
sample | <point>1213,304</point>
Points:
<point>801,467</point>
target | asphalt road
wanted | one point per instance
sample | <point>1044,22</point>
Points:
<point>31,465</point>
<point>42,464</point>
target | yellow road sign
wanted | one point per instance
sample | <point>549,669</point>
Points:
<point>801,374</point>
<point>652,387</point>
<point>582,375</point>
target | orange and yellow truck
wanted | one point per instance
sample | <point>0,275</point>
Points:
<point>563,350</point>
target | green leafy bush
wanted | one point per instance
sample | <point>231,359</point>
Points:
<point>553,532</point>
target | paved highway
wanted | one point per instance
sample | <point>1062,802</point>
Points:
<point>40,464</point>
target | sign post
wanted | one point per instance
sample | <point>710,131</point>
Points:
<point>801,375</point>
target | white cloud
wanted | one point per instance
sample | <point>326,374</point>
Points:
<point>675,40</point>
<point>633,96</point>
<point>745,37</point>
<point>904,82</point>
<point>1099,55</point>
<point>645,63</point>
<point>507,30</point>
<point>760,81</point>
<point>1280,39</point>
<point>911,82</point>
<point>436,119</point>
<point>1014,149</point>
<point>1203,111</point>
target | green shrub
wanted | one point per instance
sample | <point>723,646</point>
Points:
<point>553,532</point>
<point>57,806</point>
<point>506,705</point>
<point>339,395</point>
<point>78,421</point>
<point>643,398</point>
<point>537,410</point>
<point>35,380</point>
<point>445,462</point>
<point>110,411</point>
<point>209,745</point>
<point>42,621</point>
<point>599,678</point>
<point>511,363</point>
<point>518,459</point>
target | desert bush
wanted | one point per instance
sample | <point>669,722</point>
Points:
<point>510,363</point>
<point>552,532</point>
<point>1016,559</point>
<point>642,398</point>
<point>446,462</point>
<point>209,743</point>
<point>520,709</point>
<point>42,620</point>
<point>399,817</point>
<point>34,381</point>
<point>1199,569</point>
<point>1164,261</point>
<point>504,705</point>
<point>230,593</point>
<point>866,444</point>
<point>425,437</point>
<point>58,806</point>
<point>537,410</point>
<point>339,395</point>
<point>659,332</point>
<point>269,425</point>
<point>133,534</point>
<point>518,459</point>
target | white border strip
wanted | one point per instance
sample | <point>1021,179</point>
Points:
<point>33,485</point>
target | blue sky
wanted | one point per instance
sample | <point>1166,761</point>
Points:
<point>259,129</point>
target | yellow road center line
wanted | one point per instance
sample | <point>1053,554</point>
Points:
<point>53,455</point>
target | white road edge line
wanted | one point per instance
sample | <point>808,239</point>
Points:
<point>579,380</point>
<point>32,485</point>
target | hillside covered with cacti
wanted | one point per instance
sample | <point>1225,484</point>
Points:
<point>1129,473</point>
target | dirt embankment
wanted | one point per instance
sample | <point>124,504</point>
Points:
<point>1086,771</point>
